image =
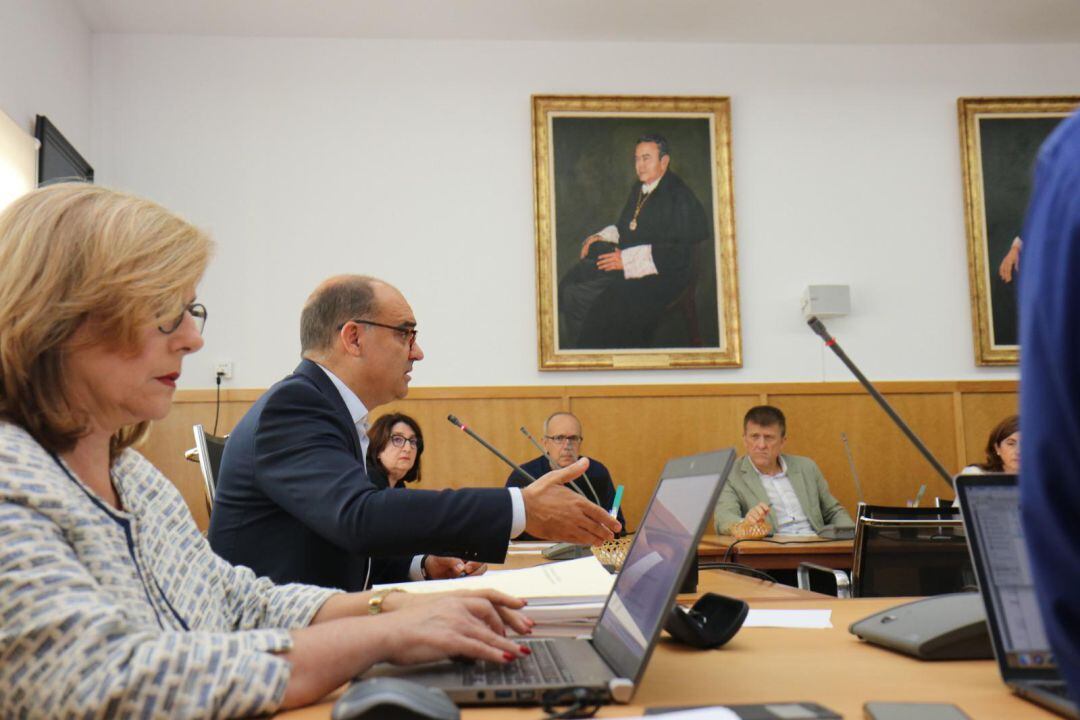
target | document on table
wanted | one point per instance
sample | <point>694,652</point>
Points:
<point>572,581</point>
<point>813,619</point>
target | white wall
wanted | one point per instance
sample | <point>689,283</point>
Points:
<point>45,54</point>
<point>411,161</point>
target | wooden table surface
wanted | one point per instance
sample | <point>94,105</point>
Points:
<point>830,667</point>
<point>779,552</point>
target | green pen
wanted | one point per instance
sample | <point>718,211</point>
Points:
<point>618,501</point>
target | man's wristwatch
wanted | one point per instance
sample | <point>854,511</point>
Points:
<point>423,568</point>
<point>374,603</point>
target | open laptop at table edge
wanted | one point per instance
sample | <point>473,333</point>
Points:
<point>614,659</point>
<point>1032,672</point>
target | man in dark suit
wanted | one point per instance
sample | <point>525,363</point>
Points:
<point>632,270</point>
<point>562,447</point>
<point>294,501</point>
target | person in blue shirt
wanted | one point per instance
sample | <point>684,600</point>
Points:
<point>1050,391</point>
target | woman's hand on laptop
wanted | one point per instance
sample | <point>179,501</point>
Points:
<point>505,606</point>
<point>327,654</point>
<point>452,625</point>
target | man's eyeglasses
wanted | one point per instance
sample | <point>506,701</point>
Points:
<point>406,332</point>
<point>562,439</point>
<point>399,441</point>
<point>195,310</point>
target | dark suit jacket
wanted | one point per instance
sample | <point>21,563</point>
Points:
<point>390,569</point>
<point>672,220</point>
<point>599,478</point>
<point>294,501</point>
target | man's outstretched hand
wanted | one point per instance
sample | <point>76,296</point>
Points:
<point>555,512</point>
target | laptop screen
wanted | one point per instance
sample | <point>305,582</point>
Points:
<point>992,510</point>
<point>663,547</point>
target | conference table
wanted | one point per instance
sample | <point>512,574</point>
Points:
<point>778,552</point>
<point>766,665</point>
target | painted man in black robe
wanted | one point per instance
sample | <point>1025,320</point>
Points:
<point>631,271</point>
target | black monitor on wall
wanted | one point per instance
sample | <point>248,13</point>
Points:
<point>58,160</point>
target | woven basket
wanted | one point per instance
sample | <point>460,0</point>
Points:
<point>613,553</point>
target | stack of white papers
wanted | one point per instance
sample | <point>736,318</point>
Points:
<point>565,619</point>
<point>565,598</point>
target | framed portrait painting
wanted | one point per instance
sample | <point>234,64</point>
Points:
<point>999,142</point>
<point>635,233</point>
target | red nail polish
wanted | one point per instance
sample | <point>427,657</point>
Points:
<point>524,650</point>
<point>507,656</point>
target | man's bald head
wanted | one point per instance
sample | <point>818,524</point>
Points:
<point>334,302</point>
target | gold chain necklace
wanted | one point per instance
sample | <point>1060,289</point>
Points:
<point>642,197</point>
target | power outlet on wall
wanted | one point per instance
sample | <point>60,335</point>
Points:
<point>224,368</point>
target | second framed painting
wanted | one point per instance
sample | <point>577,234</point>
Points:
<point>635,233</point>
<point>999,141</point>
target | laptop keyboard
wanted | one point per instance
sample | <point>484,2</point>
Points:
<point>1054,688</point>
<point>539,668</point>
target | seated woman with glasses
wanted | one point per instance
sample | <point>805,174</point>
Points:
<point>395,444</point>
<point>1002,449</point>
<point>111,601</point>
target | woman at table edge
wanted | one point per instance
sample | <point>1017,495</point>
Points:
<point>111,601</point>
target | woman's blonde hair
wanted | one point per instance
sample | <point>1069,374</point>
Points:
<point>71,252</point>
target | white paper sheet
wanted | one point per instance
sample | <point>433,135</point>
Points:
<point>708,713</point>
<point>812,619</point>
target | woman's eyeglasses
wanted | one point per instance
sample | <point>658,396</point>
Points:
<point>399,441</point>
<point>195,310</point>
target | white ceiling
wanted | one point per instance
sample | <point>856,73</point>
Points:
<point>698,21</point>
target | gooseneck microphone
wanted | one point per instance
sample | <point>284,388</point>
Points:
<point>490,447</point>
<point>854,475</point>
<point>830,342</point>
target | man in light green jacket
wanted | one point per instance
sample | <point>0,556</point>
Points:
<point>787,490</point>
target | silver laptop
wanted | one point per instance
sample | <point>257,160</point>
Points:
<point>611,663</point>
<point>991,508</point>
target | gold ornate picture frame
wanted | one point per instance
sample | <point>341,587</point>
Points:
<point>999,141</point>
<point>657,289</point>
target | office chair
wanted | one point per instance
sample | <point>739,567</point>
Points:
<point>903,552</point>
<point>207,452</point>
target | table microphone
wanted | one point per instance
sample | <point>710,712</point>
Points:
<point>490,447</point>
<point>537,445</point>
<point>854,475</point>
<point>830,342</point>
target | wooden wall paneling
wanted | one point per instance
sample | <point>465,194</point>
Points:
<point>982,411</point>
<point>635,436</point>
<point>171,437</point>
<point>889,467</point>
<point>165,447</point>
<point>635,429</point>
<point>960,425</point>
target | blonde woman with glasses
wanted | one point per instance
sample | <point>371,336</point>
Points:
<point>111,602</point>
